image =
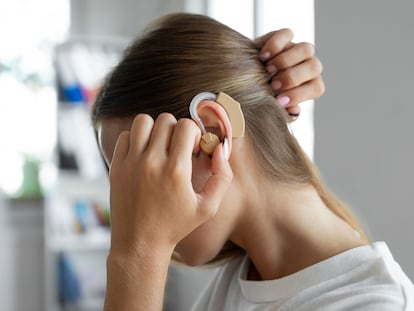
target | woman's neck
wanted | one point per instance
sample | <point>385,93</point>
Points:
<point>290,228</point>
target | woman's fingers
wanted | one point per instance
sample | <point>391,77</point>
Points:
<point>184,140</point>
<point>217,185</point>
<point>152,197</point>
<point>297,75</point>
<point>294,54</point>
<point>296,71</point>
<point>293,112</point>
<point>161,134</point>
<point>309,90</point>
<point>140,133</point>
<point>120,153</point>
<point>121,149</point>
<point>274,42</point>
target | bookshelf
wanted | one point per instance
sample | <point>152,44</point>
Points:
<point>77,232</point>
<point>77,239</point>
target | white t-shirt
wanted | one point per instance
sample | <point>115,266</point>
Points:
<point>364,278</point>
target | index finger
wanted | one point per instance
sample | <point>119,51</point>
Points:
<point>185,140</point>
<point>274,42</point>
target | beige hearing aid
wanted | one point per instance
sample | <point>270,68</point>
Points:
<point>209,141</point>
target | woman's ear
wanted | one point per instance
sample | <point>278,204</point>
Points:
<point>216,121</point>
<point>219,117</point>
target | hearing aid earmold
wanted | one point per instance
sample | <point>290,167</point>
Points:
<point>209,141</point>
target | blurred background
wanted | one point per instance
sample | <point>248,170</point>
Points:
<point>54,223</point>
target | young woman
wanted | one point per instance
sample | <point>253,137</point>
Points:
<point>254,214</point>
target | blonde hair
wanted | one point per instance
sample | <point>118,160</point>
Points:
<point>181,55</point>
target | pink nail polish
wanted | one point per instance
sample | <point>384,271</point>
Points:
<point>283,100</point>
<point>265,56</point>
<point>271,69</point>
<point>276,84</point>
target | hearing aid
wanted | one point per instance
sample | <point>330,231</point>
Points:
<point>209,141</point>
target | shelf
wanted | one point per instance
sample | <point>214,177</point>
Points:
<point>72,184</point>
<point>98,240</point>
<point>88,304</point>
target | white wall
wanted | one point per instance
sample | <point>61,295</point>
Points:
<point>125,18</point>
<point>364,128</point>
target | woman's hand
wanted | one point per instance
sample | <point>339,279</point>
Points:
<point>295,68</point>
<point>154,206</point>
<point>152,199</point>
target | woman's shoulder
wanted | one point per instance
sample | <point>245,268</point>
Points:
<point>363,278</point>
<point>371,280</point>
<point>387,272</point>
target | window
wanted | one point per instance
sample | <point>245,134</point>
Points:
<point>27,90</point>
<point>256,17</point>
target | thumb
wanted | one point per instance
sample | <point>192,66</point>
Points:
<point>218,184</point>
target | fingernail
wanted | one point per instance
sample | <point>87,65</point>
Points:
<point>264,56</point>
<point>271,69</point>
<point>294,116</point>
<point>283,100</point>
<point>276,85</point>
<point>226,148</point>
